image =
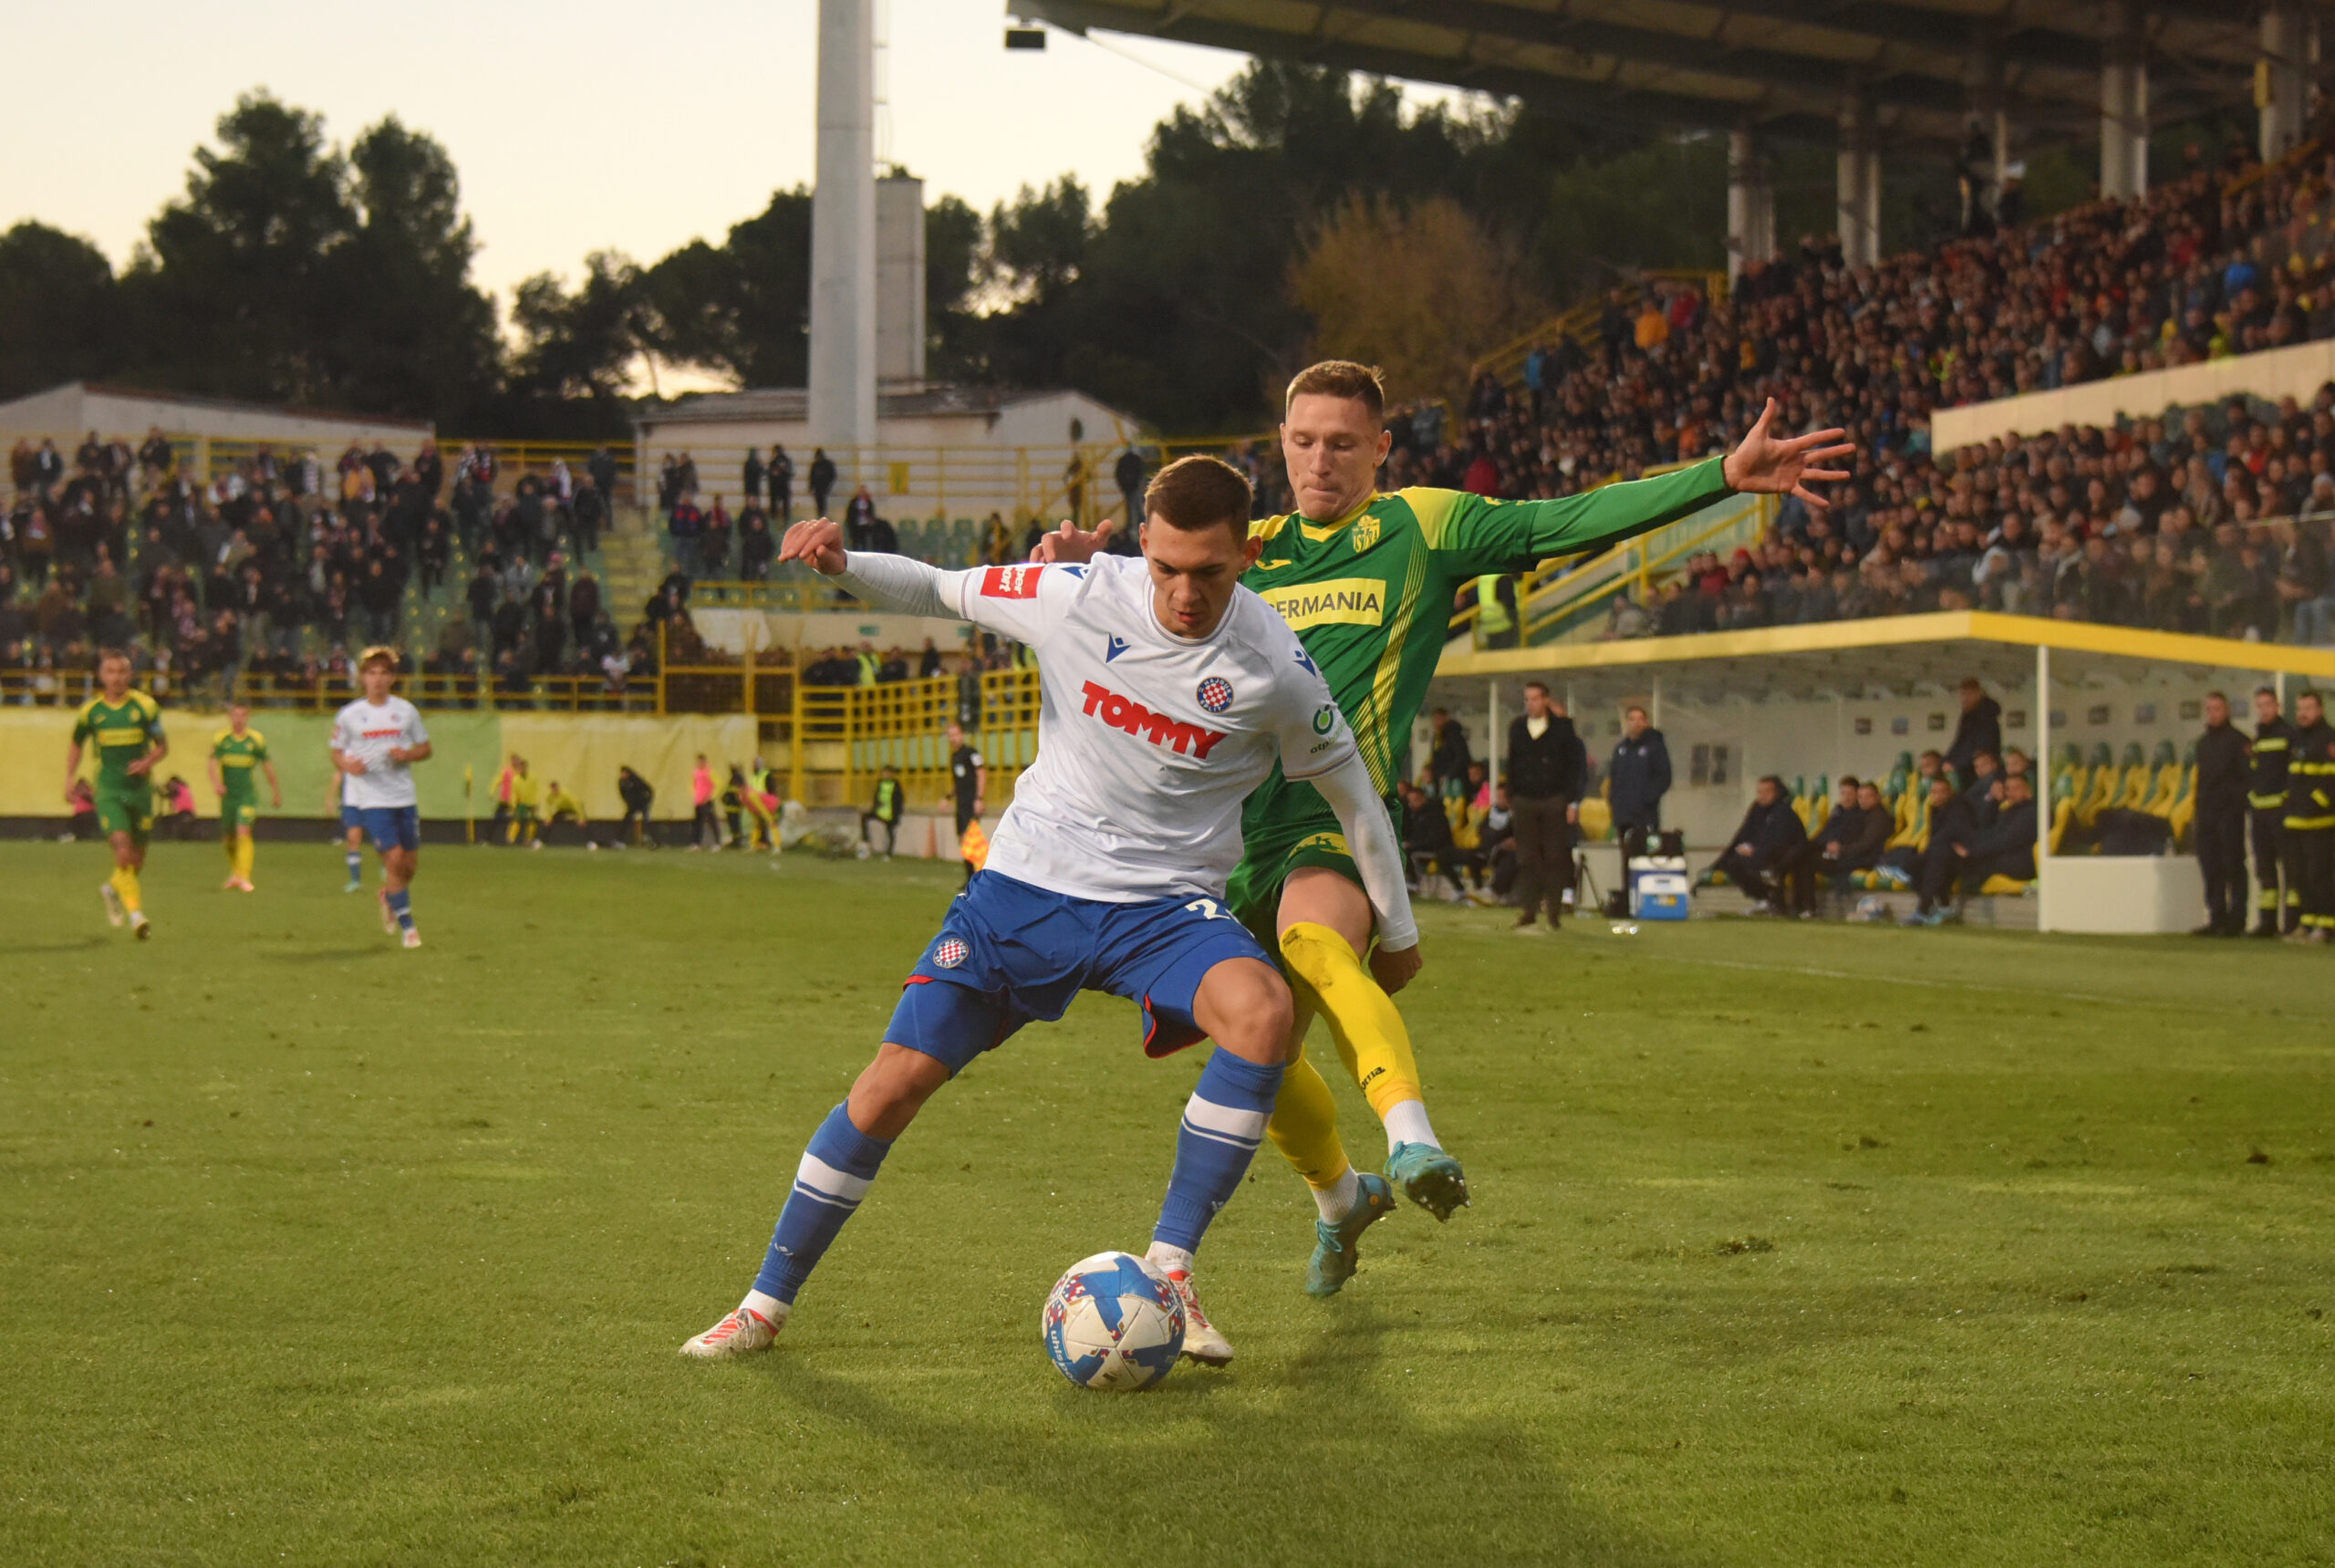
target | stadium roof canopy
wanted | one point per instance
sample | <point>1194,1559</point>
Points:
<point>1896,654</point>
<point>1779,67</point>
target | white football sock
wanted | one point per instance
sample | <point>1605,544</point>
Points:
<point>773,1310</point>
<point>1406,1123</point>
<point>1337,1200</point>
<point>1169,1260</point>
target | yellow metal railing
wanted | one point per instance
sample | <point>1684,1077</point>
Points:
<point>845,735</point>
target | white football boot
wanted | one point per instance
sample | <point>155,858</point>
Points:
<point>1202,1342</point>
<point>413,939</point>
<point>114,911</point>
<point>742,1332</point>
<point>388,916</point>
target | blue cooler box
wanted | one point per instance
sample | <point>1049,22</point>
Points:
<point>1659,888</point>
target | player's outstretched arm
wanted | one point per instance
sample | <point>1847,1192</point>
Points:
<point>72,769</point>
<point>1767,465</point>
<point>1379,857</point>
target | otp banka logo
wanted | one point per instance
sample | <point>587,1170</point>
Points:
<point>1159,729</point>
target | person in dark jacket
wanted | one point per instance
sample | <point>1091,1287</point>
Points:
<point>637,795</point>
<point>1428,844</point>
<point>1545,763</point>
<point>2225,766</point>
<point>2308,825</point>
<point>1980,729</point>
<point>1770,831</point>
<point>2005,847</point>
<point>1640,776</point>
<point>1954,822</point>
<point>1851,840</point>
<point>1448,751</point>
<point>2266,799</point>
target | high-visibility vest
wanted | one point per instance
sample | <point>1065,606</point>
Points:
<point>1491,613</point>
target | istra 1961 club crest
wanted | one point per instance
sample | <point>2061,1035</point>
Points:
<point>1365,531</point>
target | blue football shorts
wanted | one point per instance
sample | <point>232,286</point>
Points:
<point>1010,954</point>
<point>391,826</point>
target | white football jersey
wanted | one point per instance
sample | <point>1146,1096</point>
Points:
<point>1147,742</point>
<point>366,732</point>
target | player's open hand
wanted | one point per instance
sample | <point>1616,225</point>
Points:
<point>1774,467</point>
<point>817,543</point>
<point>1071,543</point>
<point>1393,971</point>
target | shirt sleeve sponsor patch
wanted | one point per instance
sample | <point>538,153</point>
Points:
<point>1010,582</point>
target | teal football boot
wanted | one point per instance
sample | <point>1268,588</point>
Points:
<point>1333,1260</point>
<point>1429,1178</point>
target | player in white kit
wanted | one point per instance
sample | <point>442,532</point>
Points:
<point>1167,693</point>
<point>376,741</point>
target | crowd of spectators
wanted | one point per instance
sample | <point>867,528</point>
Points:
<point>2125,525</point>
<point>280,566</point>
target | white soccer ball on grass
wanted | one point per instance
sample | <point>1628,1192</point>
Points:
<point>1112,1322</point>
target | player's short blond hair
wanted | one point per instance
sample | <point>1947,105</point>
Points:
<point>381,651</point>
<point>1340,379</point>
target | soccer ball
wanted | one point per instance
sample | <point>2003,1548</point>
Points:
<point>1113,1322</point>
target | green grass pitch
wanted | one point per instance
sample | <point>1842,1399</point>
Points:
<point>1791,1245</point>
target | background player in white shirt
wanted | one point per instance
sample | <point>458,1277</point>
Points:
<point>1167,693</point>
<point>376,741</point>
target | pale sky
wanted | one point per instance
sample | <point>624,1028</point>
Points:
<point>576,126</point>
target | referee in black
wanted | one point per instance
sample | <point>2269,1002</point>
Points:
<point>2266,800</point>
<point>971,778</point>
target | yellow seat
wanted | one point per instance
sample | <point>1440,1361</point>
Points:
<point>2001,886</point>
<point>2062,815</point>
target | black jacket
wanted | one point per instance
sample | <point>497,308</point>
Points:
<point>1770,830</point>
<point>1428,830</point>
<point>1550,765</point>
<point>1640,774</point>
<point>1853,836</point>
<point>2011,835</point>
<point>2311,778</point>
<point>2225,763</point>
<point>1981,730</point>
<point>2267,791</point>
<point>636,791</point>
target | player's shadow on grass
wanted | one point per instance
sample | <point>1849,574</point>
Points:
<point>1312,1460</point>
<point>332,955</point>
<point>78,944</point>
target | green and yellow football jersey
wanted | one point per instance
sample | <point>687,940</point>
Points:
<point>1370,597</point>
<point>239,757</point>
<point>123,732</point>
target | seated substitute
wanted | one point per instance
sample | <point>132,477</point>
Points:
<point>1850,840</point>
<point>1770,831</point>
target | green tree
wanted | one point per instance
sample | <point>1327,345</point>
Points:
<point>580,345</point>
<point>408,332</point>
<point>60,318</point>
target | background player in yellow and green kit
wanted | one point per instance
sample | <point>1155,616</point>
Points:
<point>1367,580</point>
<point>126,727</point>
<point>237,753</point>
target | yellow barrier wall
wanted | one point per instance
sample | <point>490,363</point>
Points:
<point>583,751</point>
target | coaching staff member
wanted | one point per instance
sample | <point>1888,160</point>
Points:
<point>970,779</point>
<point>1640,776</point>
<point>2225,765</point>
<point>1545,762</point>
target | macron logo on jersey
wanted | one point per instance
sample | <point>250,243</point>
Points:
<point>1159,729</point>
<point>1010,582</point>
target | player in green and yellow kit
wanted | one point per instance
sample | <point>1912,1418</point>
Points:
<point>1367,580</point>
<point>126,726</point>
<point>235,751</point>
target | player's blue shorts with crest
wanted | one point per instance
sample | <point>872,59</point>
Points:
<point>351,816</point>
<point>1010,954</point>
<point>391,826</point>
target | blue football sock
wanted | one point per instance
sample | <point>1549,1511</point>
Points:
<point>1223,1122</point>
<point>837,1169</point>
<point>401,906</point>
<point>356,858</point>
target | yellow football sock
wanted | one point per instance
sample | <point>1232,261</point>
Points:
<point>125,882</point>
<point>1369,1033</point>
<point>228,844</point>
<point>1305,1127</point>
<point>246,848</point>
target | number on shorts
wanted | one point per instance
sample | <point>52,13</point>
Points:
<point>1208,909</point>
